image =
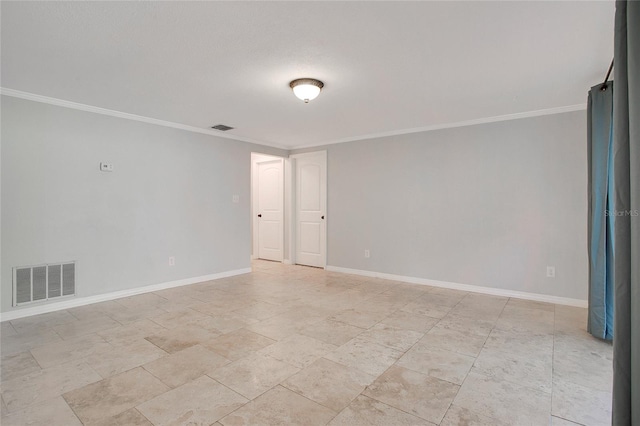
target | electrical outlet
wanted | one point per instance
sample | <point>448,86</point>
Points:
<point>551,271</point>
<point>367,253</point>
<point>172,261</point>
<point>236,199</point>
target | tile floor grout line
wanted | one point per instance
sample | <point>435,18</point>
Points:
<point>571,421</point>
<point>231,389</point>
<point>72,410</point>
<point>140,412</point>
<point>475,359</point>
<point>393,406</point>
<point>281,384</point>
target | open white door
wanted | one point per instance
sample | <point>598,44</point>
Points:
<point>270,209</point>
<point>311,201</point>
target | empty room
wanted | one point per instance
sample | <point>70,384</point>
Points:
<point>320,213</point>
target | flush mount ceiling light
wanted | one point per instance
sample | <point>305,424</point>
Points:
<point>306,89</point>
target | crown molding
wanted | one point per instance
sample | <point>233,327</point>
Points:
<point>113,113</point>
<point>485,120</point>
<point>127,116</point>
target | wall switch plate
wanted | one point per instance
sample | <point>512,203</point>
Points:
<point>236,199</point>
<point>551,271</point>
<point>172,261</point>
<point>106,167</point>
<point>367,253</point>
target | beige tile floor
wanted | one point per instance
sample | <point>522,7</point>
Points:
<point>295,345</point>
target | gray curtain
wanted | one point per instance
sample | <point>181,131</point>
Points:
<point>601,221</point>
<point>626,245</point>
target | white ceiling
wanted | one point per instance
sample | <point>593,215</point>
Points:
<point>387,66</point>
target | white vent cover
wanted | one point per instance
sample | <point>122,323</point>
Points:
<point>43,282</point>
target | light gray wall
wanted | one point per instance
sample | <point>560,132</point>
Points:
<point>170,195</point>
<point>489,205</point>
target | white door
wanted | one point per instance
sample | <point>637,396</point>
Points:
<point>311,201</point>
<point>270,210</point>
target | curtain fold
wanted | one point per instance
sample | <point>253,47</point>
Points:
<point>626,201</point>
<point>601,221</point>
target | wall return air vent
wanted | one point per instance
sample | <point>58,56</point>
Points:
<point>221,127</point>
<point>43,282</point>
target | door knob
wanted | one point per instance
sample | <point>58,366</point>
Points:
<point>322,218</point>
<point>259,215</point>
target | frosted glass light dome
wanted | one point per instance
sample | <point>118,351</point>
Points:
<point>306,89</point>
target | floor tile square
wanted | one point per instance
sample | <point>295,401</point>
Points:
<point>530,304</point>
<point>119,359</point>
<point>142,301</point>
<point>228,322</point>
<point>369,357</point>
<point>131,332</point>
<point>415,393</point>
<point>520,344</point>
<point>178,318</point>
<point>280,406</point>
<point>460,322</point>
<point>54,412</point>
<point>359,317</point>
<point>179,338</point>
<point>524,370</point>
<point>583,360</point>
<point>457,416</point>
<point>261,310</point>
<point>580,404</point>
<point>463,342</point>
<point>366,411</point>
<point>277,328</point>
<point>446,365</point>
<point>333,332</point>
<point>47,383</point>
<point>298,350</point>
<point>131,417</point>
<point>185,365</point>
<point>69,350</point>
<point>6,329</point>
<point>533,320</point>
<point>505,401</point>
<point>557,421</point>
<point>114,395</point>
<point>16,343</point>
<point>16,365</point>
<point>408,321</point>
<point>200,402</point>
<point>253,375</point>
<point>432,305</point>
<point>71,330</point>
<point>238,344</point>
<point>329,383</point>
<point>42,321</point>
<point>392,337</point>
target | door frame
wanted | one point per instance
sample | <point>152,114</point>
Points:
<point>257,158</point>
<point>291,206</point>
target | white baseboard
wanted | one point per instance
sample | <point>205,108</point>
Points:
<point>466,287</point>
<point>81,301</point>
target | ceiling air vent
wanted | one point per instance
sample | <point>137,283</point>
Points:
<point>221,127</point>
<point>43,282</point>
